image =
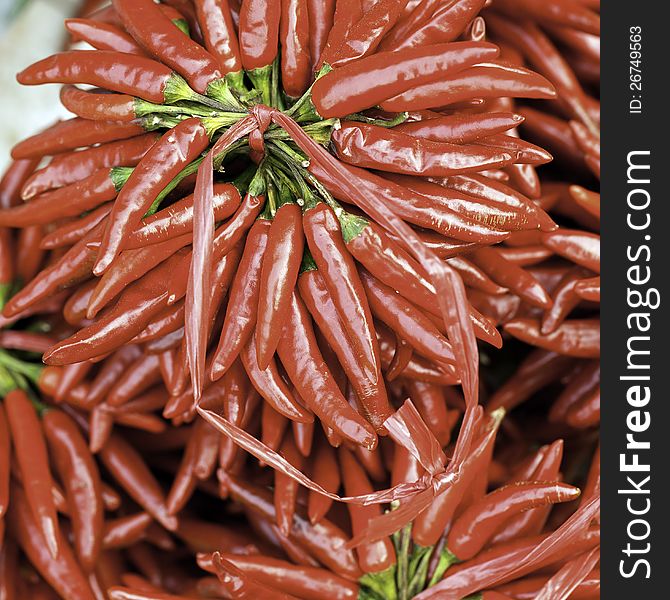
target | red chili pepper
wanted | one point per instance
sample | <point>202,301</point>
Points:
<point>219,33</point>
<point>74,133</point>
<point>6,264</point>
<point>31,454</point>
<point>560,12</point>
<point>167,43</point>
<point>430,402</point>
<point>374,147</point>
<point>115,71</point>
<point>321,14</point>
<point>307,370</point>
<point>295,51</point>
<point>324,471</point>
<point>581,247</point>
<point>68,168</point>
<point>485,80</point>
<point>80,476</point>
<point>303,436</point>
<point>243,301</point>
<point>324,540</point>
<point>29,254</point>
<point>5,457</point>
<point>273,427</point>
<point>337,268</point>
<point>375,557</point>
<point>176,149</point>
<point>138,377</point>
<point>68,201</point>
<point>346,13</point>
<point>286,488</point>
<point>13,180</point>
<point>125,531</point>
<point>103,36</point>
<point>347,89</point>
<point>460,128</point>
<point>585,412</point>
<point>99,106</point>
<point>259,32</point>
<point>575,337</point>
<point>62,571</point>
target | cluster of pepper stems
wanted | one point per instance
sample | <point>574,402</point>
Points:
<point>293,229</point>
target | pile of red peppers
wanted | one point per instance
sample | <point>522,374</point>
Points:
<point>303,302</point>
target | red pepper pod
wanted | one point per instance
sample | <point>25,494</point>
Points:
<point>13,180</point>
<point>98,106</point>
<point>324,238</point>
<point>74,133</point>
<point>295,51</point>
<point>575,337</point>
<point>176,149</point>
<point>259,32</point>
<point>559,12</point>
<point>167,43</point>
<point>242,309</point>
<point>5,457</point>
<point>103,36</point>
<point>218,31</point>
<point>321,15</point>
<point>67,168</point>
<point>278,276</point>
<point>373,147</point>
<point>316,296</point>
<point>31,454</point>
<point>485,80</point>
<point>300,356</point>
<point>460,128</point>
<point>83,487</point>
<point>581,247</point>
<point>324,471</point>
<point>68,201</point>
<point>286,488</point>
<point>115,71</point>
<point>347,90</point>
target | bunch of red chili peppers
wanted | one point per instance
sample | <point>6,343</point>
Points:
<point>266,264</point>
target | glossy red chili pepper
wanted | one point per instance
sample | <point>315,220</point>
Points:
<point>575,337</point>
<point>295,51</point>
<point>324,471</point>
<point>581,247</point>
<point>303,436</point>
<point>133,311</point>
<point>485,80</point>
<point>460,128</point>
<point>31,454</point>
<point>68,201</point>
<point>259,32</point>
<point>278,276</point>
<point>115,71</point>
<point>137,378</point>
<point>103,36</point>
<point>176,149</point>
<point>375,557</point>
<point>324,540</point>
<point>374,147</point>
<point>29,254</point>
<point>560,12</point>
<point>479,521</point>
<point>125,531</point>
<point>346,13</point>
<point>99,106</point>
<point>62,571</point>
<point>307,370</point>
<point>83,488</point>
<point>167,43</point>
<point>321,15</point>
<point>286,488</point>
<point>273,427</point>
<point>126,466</point>
<point>219,33</point>
<point>13,180</point>
<point>431,404</point>
<point>242,308</point>
<point>347,89</point>
<point>583,381</point>
<point>337,268</point>
<point>74,133</point>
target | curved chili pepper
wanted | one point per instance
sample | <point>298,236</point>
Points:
<point>243,300</point>
<point>136,307</point>
<point>295,51</point>
<point>478,522</point>
<point>176,149</point>
<point>259,32</point>
<point>430,402</point>
<point>61,571</point>
<point>307,370</point>
<point>138,377</point>
<point>321,16</point>
<point>347,90</point>
<point>324,471</point>
<point>461,128</point>
<point>286,488</point>
<point>103,36</point>
<point>29,253</point>
<point>337,268</point>
<point>99,106</point>
<point>132,474</point>
<point>304,582</point>
<point>80,476</point>
<point>13,180</point>
<point>166,322</point>
<point>316,296</point>
<point>167,43</point>
<point>375,557</point>
<point>68,168</point>
<point>324,540</point>
<point>278,276</point>
<point>581,247</point>
<point>125,531</point>
<point>74,133</point>
<point>115,71</point>
<point>273,427</point>
<point>303,436</point>
<point>31,454</point>
<point>5,457</point>
<point>486,80</point>
<point>374,147</point>
<point>560,12</point>
<point>585,412</point>
<point>219,33</point>
<point>576,337</point>
<point>68,201</point>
